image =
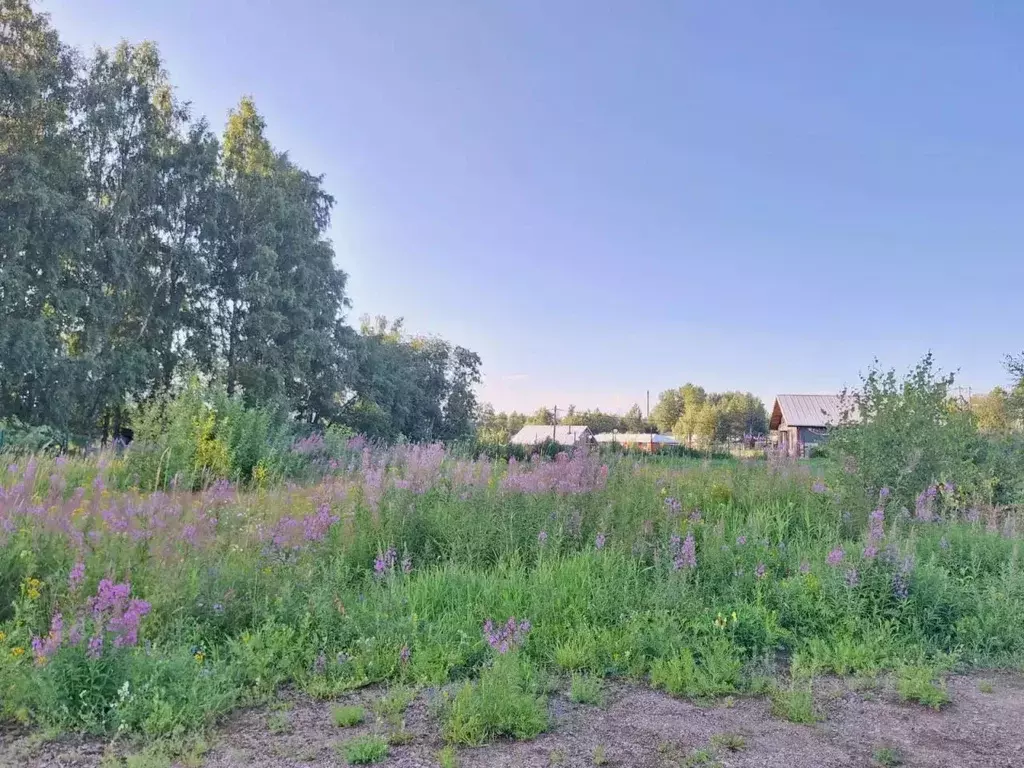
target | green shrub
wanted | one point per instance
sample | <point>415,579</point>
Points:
<point>503,702</point>
<point>585,689</point>
<point>919,683</point>
<point>717,672</point>
<point>364,750</point>
<point>795,704</point>
<point>347,716</point>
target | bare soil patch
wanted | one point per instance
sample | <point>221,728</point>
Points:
<point>635,727</point>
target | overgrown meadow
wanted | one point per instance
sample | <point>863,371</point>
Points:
<point>153,613</point>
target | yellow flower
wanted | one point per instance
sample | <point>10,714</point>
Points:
<point>17,652</point>
<point>3,636</point>
<point>721,622</point>
<point>33,588</point>
<point>734,619</point>
<point>200,657</point>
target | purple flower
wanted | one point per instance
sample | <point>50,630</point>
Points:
<point>508,636</point>
<point>95,649</point>
<point>385,562</point>
<point>901,579</point>
<point>403,655</point>
<point>542,537</point>
<point>819,487</point>
<point>76,575</point>
<point>852,578</point>
<point>684,553</point>
<point>948,487</point>
<point>674,505</point>
<point>741,540</point>
<point>760,571</point>
<point>870,552</point>
<point>695,516</point>
<point>884,493</point>
<point>835,557</point>
<point>944,543</point>
<point>805,567</point>
<point>599,541</point>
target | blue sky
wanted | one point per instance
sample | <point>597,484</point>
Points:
<point>606,198</point>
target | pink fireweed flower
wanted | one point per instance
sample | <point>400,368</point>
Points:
<point>385,562</point>
<point>76,576</point>
<point>684,553</point>
<point>760,571</point>
<point>599,541</point>
<point>506,637</point>
<point>819,487</point>
<point>835,557</point>
<point>542,537</point>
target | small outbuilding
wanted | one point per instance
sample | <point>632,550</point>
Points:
<point>640,441</point>
<point>800,421</point>
<point>569,436</point>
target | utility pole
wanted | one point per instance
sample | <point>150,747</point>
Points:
<point>554,426</point>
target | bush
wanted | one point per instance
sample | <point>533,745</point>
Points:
<point>503,702</point>
<point>346,717</point>
<point>903,435</point>
<point>364,750</point>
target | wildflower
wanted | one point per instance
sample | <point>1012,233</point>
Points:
<point>76,575</point>
<point>33,588</point>
<point>876,531</point>
<point>944,543</point>
<point>884,493</point>
<point>407,565</point>
<point>835,557</point>
<point>673,504</point>
<point>819,487</point>
<point>852,577</point>
<point>320,664</point>
<point>199,656</point>
<point>218,608</point>
<point>3,636</point>
<point>542,537</point>
<point>403,655</point>
<point>805,567</point>
<point>695,516</point>
<point>685,553</point>
<point>973,515</point>
<point>599,541</point>
<point>385,562</point>
<point>901,579</point>
<point>508,636</point>
<point>17,652</point>
<point>870,551</point>
<point>735,620</point>
<point>760,571</point>
<point>741,540</point>
<point>721,622</point>
<point>948,487</point>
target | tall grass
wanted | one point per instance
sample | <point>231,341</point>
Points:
<point>388,567</point>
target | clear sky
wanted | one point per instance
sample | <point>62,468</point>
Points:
<point>604,198</point>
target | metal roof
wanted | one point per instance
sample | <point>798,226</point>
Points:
<point>807,410</point>
<point>532,434</point>
<point>635,437</point>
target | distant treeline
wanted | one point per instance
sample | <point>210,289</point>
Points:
<point>689,413</point>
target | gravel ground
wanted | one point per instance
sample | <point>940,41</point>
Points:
<point>634,727</point>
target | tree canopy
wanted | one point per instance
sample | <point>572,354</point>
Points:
<point>138,250</point>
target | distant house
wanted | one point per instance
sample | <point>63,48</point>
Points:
<point>799,421</point>
<point>638,440</point>
<point>535,434</point>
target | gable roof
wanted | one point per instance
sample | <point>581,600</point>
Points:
<point>532,434</point>
<point>806,410</point>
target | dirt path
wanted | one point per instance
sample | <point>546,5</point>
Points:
<point>635,727</point>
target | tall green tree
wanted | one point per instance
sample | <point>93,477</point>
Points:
<point>634,421</point>
<point>276,300</point>
<point>44,223</point>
